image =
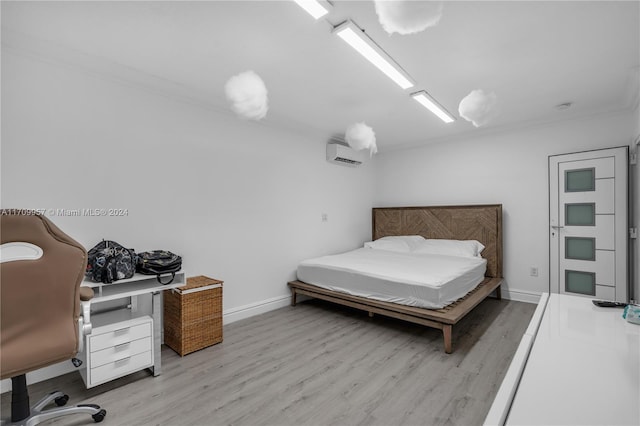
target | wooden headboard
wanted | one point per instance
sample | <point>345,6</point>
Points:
<point>475,222</point>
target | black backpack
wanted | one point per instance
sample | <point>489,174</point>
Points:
<point>108,261</point>
<point>158,262</point>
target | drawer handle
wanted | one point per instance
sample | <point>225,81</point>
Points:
<point>122,330</point>
<point>121,361</point>
<point>121,346</point>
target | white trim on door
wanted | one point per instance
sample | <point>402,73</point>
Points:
<point>610,199</point>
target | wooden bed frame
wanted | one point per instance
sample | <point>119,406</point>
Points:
<point>474,222</point>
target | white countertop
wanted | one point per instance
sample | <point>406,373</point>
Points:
<point>583,368</point>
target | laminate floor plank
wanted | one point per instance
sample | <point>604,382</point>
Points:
<point>316,364</point>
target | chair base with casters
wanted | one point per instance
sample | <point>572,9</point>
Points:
<point>23,415</point>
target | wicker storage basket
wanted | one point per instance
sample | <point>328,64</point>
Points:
<point>193,315</point>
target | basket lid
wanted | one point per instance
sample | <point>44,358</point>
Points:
<point>199,281</point>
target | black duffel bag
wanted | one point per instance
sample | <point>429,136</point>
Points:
<point>108,261</point>
<point>159,262</point>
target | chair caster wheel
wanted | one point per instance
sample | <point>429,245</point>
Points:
<point>61,400</point>
<point>99,416</point>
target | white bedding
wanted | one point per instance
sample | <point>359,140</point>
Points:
<point>423,280</point>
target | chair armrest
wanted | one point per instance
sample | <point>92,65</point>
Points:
<point>86,294</point>
<point>84,322</point>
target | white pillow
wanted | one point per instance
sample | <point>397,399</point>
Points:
<point>460,248</point>
<point>402,244</point>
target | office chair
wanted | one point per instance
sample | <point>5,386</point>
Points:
<point>41,269</point>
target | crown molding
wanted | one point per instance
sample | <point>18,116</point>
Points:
<point>476,133</point>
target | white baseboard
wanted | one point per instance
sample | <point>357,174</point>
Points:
<point>246,311</point>
<point>42,374</point>
<point>520,295</point>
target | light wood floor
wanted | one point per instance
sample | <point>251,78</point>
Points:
<point>317,364</point>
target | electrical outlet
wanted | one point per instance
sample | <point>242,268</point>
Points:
<point>533,271</point>
<point>325,217</point>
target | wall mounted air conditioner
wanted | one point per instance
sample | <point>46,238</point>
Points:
<point>342,154</point>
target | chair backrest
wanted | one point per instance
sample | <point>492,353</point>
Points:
<point>39,297</point>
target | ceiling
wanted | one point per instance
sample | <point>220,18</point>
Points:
<point>532,55</point>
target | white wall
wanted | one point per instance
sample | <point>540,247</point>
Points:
<point>240,201</point>
<point>510,168</point>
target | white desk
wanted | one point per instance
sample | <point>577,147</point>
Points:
<point>583,368</point>
<point>115,320</point>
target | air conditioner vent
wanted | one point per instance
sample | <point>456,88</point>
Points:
<point>347,160</point>
<point>342,154</point>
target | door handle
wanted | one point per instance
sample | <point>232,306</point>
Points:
<point>556,226</point>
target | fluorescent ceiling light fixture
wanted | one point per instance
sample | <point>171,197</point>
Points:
<point>315,8</point>
<point>353,35</point>
<point>429,103</point>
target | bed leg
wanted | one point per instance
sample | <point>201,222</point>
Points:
<point>293,297</point>
<point>499,293</point>
<point>446,331</point>
<point>370,314</point>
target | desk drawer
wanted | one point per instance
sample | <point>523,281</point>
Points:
<point>120,351</point>
<point>119,336</point>
<point>121,367</point>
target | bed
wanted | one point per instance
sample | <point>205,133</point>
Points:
<point>482,223</point>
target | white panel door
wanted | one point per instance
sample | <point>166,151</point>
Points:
<point>588,223</point>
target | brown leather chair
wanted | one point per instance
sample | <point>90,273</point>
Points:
<point>41,269</point>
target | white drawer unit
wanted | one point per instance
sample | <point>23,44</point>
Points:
<point>117,349</point>
<point>124,337</point>
<point>125,332</point>
<point>119,367</point>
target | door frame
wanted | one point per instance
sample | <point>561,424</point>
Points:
<point>621,158</point>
